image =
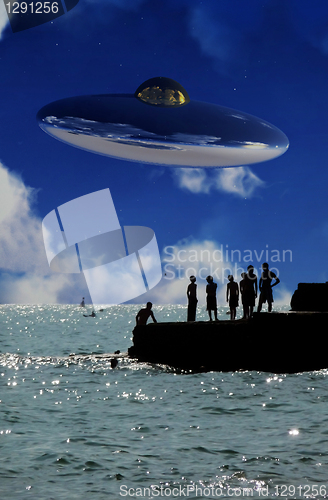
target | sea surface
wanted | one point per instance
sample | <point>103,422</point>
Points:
<point>74,428</point>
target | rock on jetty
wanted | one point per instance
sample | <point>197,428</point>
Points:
<point>310,297</point>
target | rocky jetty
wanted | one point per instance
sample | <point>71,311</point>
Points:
<point>290,342</point>
<point>271,342</point>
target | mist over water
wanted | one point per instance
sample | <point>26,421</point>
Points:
<point>73,427</point>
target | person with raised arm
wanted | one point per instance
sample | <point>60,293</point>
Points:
<point>265,287</point>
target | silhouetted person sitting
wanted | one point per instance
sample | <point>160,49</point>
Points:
<point>192,299</point>
<point>232,296</point>
<point>266,287</point>
<point>211,298</point>
<point>143,315</point>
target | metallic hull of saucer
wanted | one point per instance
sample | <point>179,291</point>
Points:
<point>198,134</point>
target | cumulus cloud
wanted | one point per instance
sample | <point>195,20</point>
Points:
<point>191,257</point>
<point>25,274</point>
<point>33,289</point>
<point>26,277</point>
<point>282,296</point>
<point>202,258</point>
<point>21,243</point>
<point>192,179</point>
<point>240,181</point>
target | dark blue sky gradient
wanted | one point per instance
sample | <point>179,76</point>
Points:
<point>267,58</point>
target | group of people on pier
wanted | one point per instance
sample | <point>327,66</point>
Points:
<point>247,290</point>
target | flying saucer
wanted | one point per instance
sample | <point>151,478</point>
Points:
<point>160,124</point>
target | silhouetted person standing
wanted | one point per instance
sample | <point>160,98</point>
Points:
<point>232,296</point>
<point>211,298</point>
<point>252,291</point>
<point>266,287</point>
<point>243,293</point>
<point>192,299</point>
<point>144,314</point>
<point>248,291</point>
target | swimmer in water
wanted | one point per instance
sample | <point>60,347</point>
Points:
<point>92,315</point>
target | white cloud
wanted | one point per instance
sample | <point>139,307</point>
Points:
<point>26,277</point>
<point>281,296</point>
<point>190,257</point>
<point>12,193</point>
<point>240,181</point>
<point>203,258</point>
<point>22,249</point>
<point>192,179</point>
<point>21,243</point>
<point>34,289</point>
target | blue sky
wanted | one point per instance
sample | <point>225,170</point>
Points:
<point>268,58</point>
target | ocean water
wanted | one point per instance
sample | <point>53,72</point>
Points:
<point>74,428</point>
